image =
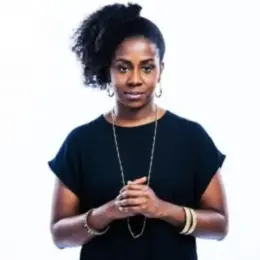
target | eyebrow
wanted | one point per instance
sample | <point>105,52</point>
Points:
<point>128,61</point>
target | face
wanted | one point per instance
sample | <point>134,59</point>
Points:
<point>135,72</point>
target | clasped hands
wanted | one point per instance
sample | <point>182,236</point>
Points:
<point>138,198</point>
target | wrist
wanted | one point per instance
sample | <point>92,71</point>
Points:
<point>109,211</point>
<point>172,213</point>
<point>163,210</point>
<point>100,217</point>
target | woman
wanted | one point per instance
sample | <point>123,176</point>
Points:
<point>138,182</point>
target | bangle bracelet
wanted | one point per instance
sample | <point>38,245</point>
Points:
<point>194,222</point>
<point>188,221</point>
<point>90,230</point>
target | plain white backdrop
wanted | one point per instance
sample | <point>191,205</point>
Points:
<point>211,76</point>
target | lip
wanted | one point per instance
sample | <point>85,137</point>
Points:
<point>133,95</point>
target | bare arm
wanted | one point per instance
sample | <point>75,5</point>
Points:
<point>212,215</point>
<point>67,226</point>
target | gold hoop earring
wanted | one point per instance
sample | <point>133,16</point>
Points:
<point>158,95</point>
<point>110,92</point>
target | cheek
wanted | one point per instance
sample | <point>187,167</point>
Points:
<point>151,81</point>
<point>117,79</point>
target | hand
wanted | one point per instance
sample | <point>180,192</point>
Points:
<point>138,198</point>
<point>115,210</point>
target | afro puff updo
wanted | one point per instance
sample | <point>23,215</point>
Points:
<point>97,37</point>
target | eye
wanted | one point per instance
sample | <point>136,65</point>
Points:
<point>122,69</point>
<point>148,68</point>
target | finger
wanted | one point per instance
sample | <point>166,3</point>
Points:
<point>134,187</point>
<point>131,202</point>
<point>134,209</point>
<point>131,193</point>
<point>138,181</point>
<point>126,210</point>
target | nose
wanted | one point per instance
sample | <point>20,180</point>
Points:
<point>135,78</point>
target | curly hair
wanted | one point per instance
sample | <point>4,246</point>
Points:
<point>97,37</point>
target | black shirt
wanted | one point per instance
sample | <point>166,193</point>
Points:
<point>185,161</point>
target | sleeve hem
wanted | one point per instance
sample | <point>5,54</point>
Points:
<point>211,174</point>
<point>61,178</point>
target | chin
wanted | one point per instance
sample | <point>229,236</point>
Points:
<point>133,104</point>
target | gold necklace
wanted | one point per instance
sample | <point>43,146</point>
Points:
<point>122,171</point>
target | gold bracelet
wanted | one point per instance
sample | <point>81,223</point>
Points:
<point>90,230</point>
<point>187,221</point>
<point>194,222</point>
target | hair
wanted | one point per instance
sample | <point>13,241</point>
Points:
<point>98,36</point>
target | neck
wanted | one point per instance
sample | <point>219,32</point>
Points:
<point>127,114</point>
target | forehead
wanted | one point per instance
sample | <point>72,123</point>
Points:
<point>137,47</point>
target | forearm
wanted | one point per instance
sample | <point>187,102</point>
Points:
<point>210,224</point>
<point>70,232</point>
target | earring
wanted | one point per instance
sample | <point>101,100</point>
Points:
<point>110,91</point>
<point>158,95</point>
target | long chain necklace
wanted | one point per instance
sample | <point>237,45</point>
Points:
<point>122,171</point>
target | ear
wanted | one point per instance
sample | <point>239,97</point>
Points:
<point>162,66</point>
<point>161,70</point>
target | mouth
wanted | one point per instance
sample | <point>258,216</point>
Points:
<point>133,95</point>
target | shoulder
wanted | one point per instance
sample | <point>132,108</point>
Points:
<point>85,131</point>
<point>185,125</point>
<point>188,131</point>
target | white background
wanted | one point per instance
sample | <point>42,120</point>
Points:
<point>211,76</point>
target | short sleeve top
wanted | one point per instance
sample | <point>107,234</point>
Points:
<point>185,161</point>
